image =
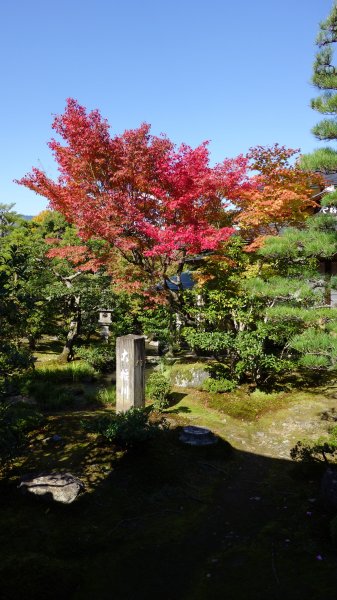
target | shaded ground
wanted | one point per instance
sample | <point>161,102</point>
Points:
<point>172,521</point>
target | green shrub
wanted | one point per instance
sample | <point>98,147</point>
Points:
<point>102,358</point>
<point>15,422</point>
<point>128,429</point>
<point>215,342</point>
<point>218,385</point>
<point>107,395</point>
<point>13,361</point>
<point>158,389</point>
<point>217,370</point>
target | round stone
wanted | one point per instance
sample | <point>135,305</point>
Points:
<point>197,436</point>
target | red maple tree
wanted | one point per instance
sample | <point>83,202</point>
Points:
<point>153,204</point>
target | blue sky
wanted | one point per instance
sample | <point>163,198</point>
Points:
<point>236,73</point>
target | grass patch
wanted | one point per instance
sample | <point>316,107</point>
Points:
<point>58,387</point>
<point>107,395</point>
<point>248,407</point>
<point>66,373</point>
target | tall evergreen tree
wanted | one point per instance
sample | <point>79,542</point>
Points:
<point>325,79</point>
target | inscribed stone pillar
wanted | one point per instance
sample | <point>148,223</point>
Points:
<point>130,372</point>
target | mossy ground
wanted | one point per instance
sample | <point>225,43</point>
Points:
<point>167,520</point>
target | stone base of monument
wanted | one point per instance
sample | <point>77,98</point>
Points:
<point>197,436</point>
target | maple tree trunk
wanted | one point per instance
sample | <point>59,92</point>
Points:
<point>171,338</point>
<point>31,342</point>
<point>73,333</point>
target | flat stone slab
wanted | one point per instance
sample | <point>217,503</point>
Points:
<point>60,487</point>
<point>197,436</point>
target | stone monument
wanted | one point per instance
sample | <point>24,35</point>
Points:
<point>130,372</point>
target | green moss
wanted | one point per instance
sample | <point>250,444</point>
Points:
<point>241,405</point>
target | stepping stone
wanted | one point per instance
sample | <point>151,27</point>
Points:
<point>197,436</point>
<point>61,487</point>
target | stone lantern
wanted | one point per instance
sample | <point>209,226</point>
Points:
<point>104,320</point>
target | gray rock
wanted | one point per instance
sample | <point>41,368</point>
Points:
<point>197,436</point>
<point>21,400</point>
<point>61,487</point>
<point>54,438</point>
<point>191,379</point>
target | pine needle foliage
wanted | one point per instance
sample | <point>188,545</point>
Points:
<point>320,317</point>
<point>281,288</point>
<point>320,346</point>
<point>317,239</point>
<point>325,79</point>
<point>321,159</point>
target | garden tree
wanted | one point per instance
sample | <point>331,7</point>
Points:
<point>79,287</point>
<point>325,79</point>
<point>227,321</point>
<point>283,195</point>
<point>40,293</point>
<point>71,269</point>
<point>152,205</point>
<point>297,317</point>
<point>8,218</point>
<point>23,273</point>
<point>264,313</point>
<point>25,266</point>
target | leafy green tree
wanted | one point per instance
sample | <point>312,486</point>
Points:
<point>22,275</point>
<point>43,294</point>
<point>229,317</point>
<point>79,287</point>
<point>8,218</point>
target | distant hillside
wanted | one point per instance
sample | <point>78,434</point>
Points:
<point>27,217</point>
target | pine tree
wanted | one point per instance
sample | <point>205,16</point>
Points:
<point>325,79</point>
<point>300,314</point>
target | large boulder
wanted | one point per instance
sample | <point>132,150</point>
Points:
<point>189,375</point>
<point>61,487</point>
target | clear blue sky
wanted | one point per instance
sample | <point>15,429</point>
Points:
<point>236,73</point>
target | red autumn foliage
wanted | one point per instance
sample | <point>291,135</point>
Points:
<point>76,256</point>
<point>152,203</point>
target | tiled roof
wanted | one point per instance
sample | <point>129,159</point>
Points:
<point>186,281</point>
<point>330,178</point>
